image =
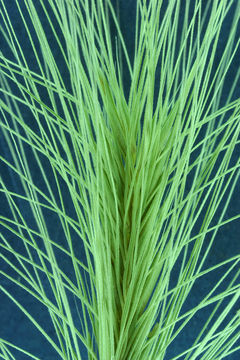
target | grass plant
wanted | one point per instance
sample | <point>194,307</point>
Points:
<point>112,196</point>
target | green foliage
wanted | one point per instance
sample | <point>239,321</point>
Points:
<point>148,175</point>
